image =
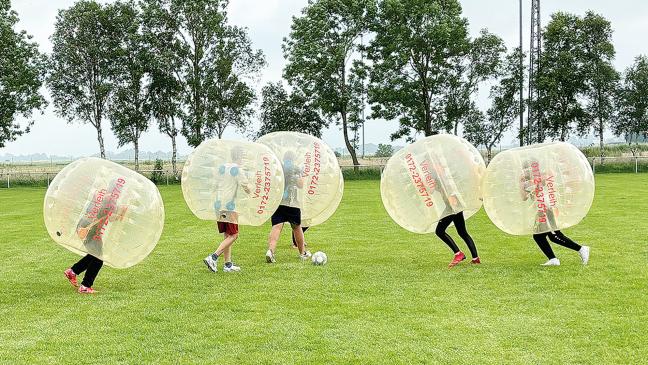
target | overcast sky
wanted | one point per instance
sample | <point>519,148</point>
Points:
<point>268,22</point>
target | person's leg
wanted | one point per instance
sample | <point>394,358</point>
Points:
<point>91,272</point>
<point>299,237</point>
<point>304,229</point>
<point>460,224</point>
<point>227,253</point>
<point>275,232</point>
<point>441,227</point>
<point>225,247</point>
<point>560,238</point>
<point>82,265</point>
<point>541,240</point>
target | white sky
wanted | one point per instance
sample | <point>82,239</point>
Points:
<point>268,22</point>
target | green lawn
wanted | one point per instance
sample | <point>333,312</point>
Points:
<point>385,296</point>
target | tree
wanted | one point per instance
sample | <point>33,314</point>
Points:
<point>166,89</point>
<point>21,76</point>
<point>468,71</point>
<point>215,62</point>
<point>560,80</point>
<point>632,102</point>
<point>283,111</point>
<point>322,53</point>
<point>384,150</point>
<point>412,53</point>
<point>83,63</point>
<point>601,78</point>
<point>129,109</point>
<point>487,130</point>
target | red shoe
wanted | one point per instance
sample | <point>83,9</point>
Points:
<point>71,276</point>
<point>86,290</point>
<point>475,261</point>
<point>458,257</point>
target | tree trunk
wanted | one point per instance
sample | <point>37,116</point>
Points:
<point>347,142</point>
<point>601,137</point>
<point>489,154</point>
<point>456,126</point>
<point>102,151</point>
<point>136,143</point>
<point>174,156</point>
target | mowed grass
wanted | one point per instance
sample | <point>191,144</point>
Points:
<point>386,295</point>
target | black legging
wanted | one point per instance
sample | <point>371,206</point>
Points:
<point>91,265</point>
<point>555,237</point>
<point>460,225</point>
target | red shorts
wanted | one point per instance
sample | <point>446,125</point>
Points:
<point>229,228</point>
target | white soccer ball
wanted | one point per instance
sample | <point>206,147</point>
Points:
<point>319,258</point>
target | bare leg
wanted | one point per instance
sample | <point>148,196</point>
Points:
<point>227,254</point>
<point>274,237</point>
<point>299,237</point>
<point>226,246</point>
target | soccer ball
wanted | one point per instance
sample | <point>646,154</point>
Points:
<point>319,258</point>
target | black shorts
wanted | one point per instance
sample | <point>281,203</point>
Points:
<point>286,214</point>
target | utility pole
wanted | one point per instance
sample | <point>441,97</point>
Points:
<point>535,49</point>
<point>363,97</point>
<point>521,132</point>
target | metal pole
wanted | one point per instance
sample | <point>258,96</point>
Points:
<point>521,132</point>
<point>636,164</point>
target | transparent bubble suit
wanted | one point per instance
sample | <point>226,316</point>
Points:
<point>94,206</point>
<point>538,188</point>
<point>232,181</point>
<point>431,179</point>
<point>313,178</point>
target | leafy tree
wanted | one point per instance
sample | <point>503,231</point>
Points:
<point>215,62</point>
<point>601,78</point>
<point>560,79</point>
<point>166,89</point>
<point>488,130</point>
<point>281,111</point>
<point>322,51</point>
<point>632,101</point>
<point>414,53</point>
<point>384,150</point>
<point>129,109</point>
<point>21,76</point>
<point>83,63</point>
<point>479,64</point>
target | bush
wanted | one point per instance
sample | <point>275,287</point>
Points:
<point>384,150</point>
<point>157,174</point>
<point>361,173</point>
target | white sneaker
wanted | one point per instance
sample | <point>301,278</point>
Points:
<point>305,256</point>
<point>232,268</point>
<point>552,262</point>
<point>270,257</point>
<point>211,263</point>
<point>584,254</point>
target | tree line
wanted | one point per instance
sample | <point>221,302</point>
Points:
<point>183,67</point>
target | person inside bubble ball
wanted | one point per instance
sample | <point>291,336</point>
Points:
<point>230,178</point>
<point>99,212</point>
<point>288,211</point>
<point>452,203</point>
<point>533,183</point>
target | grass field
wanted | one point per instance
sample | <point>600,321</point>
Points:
<point>386,295</point>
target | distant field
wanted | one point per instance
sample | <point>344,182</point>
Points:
<point>386,295</point>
